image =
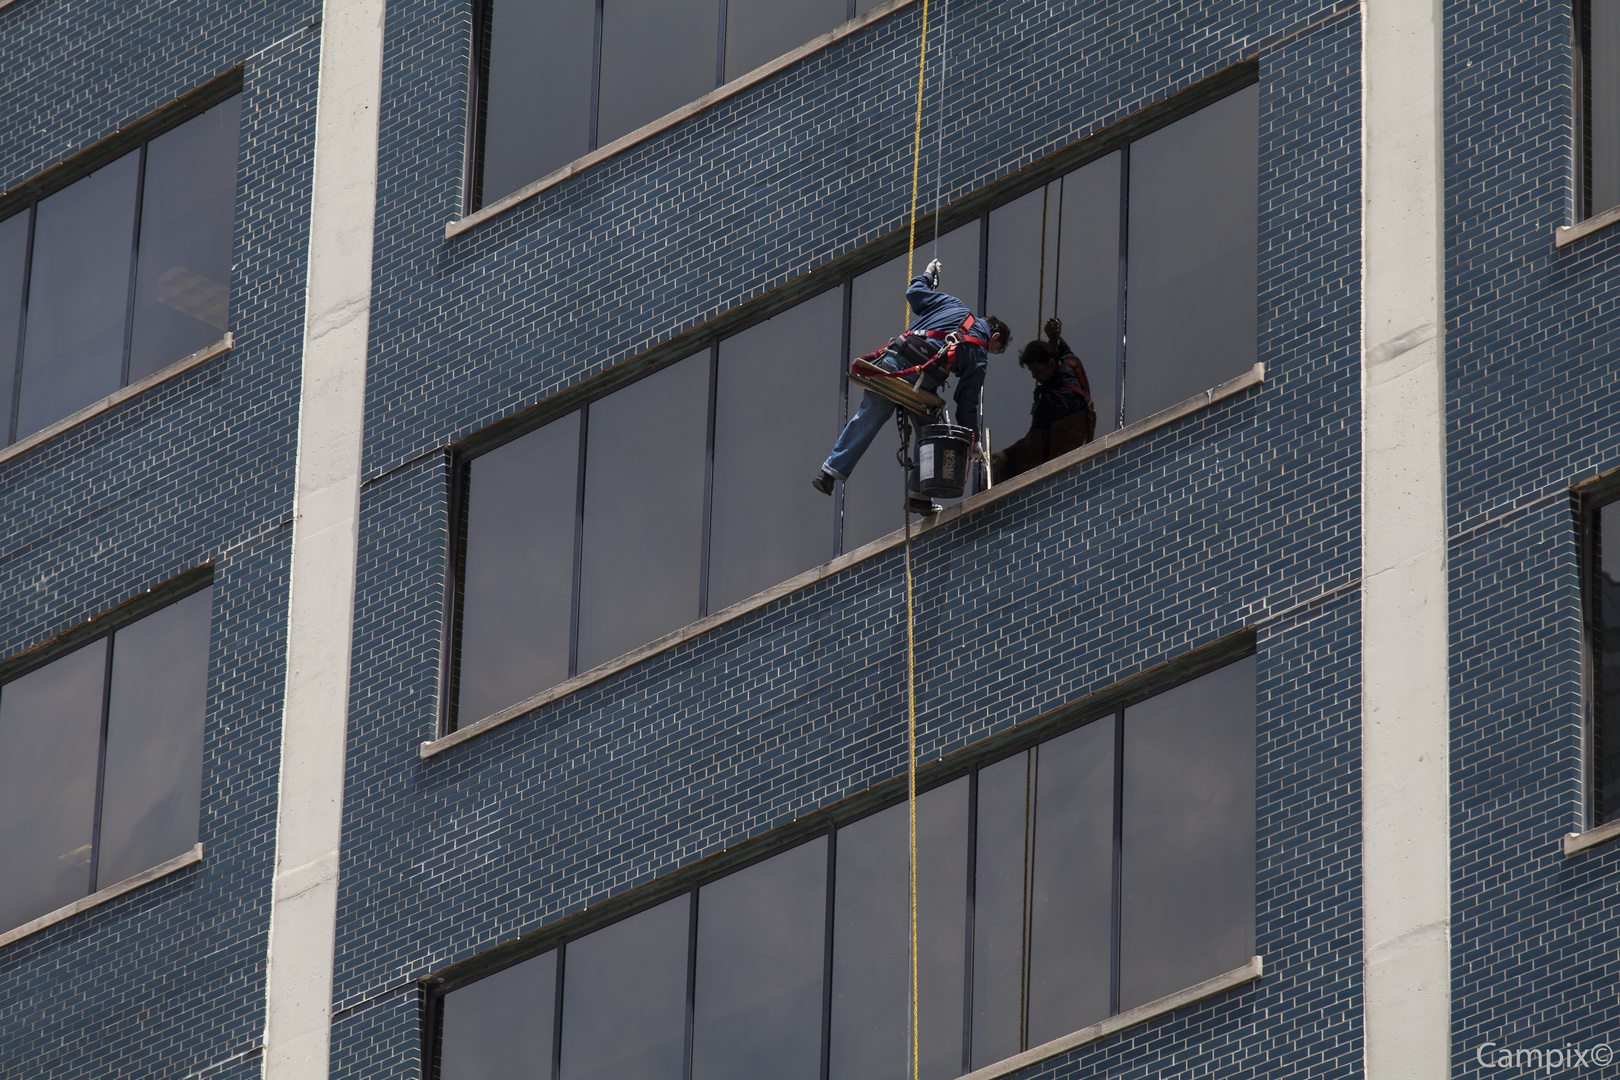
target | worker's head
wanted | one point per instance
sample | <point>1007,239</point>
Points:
<point>999,334</point>
<point>1039,359</point>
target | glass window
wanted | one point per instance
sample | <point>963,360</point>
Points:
<point>78,295</point>
<point>1605,634</point>
<point>50,734</point>
<point>624,998</point>
<point>643,543</point>
<point>61,724</point>
<point>760,957</point>
<point>1603,105</point>
<point>1072,883</point>
<point>871,939</point>
<point>877,312</point>
<point>776,408</point>
<point>1187,835</point>
<point>13,270</point>
<point>1000,907</point>
<point>164,213</point>
<point>188,210</point>
<point>1014,279</point>
<point>500,1027</point>
<point>517,597</point>
<point>758,31</point>
<point>657,55</point>
<point>537,115</point>
<point>1086,278</point>
<point>1190,321</point>
<point>153,786</point>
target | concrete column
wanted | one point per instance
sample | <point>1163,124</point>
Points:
<point>1406,854</point>
<point>331,415</point>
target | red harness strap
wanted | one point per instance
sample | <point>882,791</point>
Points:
<point>961,335</point>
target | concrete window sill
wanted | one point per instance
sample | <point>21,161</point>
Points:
<point>1577,842</point>
<point>1565,235</point>
<point>96,899</point>
<point>714,97</point>
<point>1255,376</point>
<point>115,399</point>
<point>1248,973</point>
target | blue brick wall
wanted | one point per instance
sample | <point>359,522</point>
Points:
<point>1531,368</point>
<point>1228,519</point>
<point>168,980</point>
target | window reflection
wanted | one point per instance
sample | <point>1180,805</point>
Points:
<point>500,1027</point>
<point>1603,120</point>
<point>757,1006</point>
<point>13,266</point>
<point>1605,622</point>
<point>1193,254</point>
<point>758,31</point>
<point>656,56</point>
<point>538,115</point>
<point>1057,850</point>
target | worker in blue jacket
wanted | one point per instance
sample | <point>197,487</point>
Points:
<point>934,315</point>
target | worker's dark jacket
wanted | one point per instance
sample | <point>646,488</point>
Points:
<point>1061,418</point>
<point>934,310</point>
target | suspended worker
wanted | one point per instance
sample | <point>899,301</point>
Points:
<point>1062,416</point>
<point>949,340</point>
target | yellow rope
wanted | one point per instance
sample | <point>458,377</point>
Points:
<point>911,644</point>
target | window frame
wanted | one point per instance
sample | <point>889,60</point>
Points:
<point>1106,706</point>
<point>840,274</point>
<point>25,197</point>
<point>1589,502</point>
<point>89,632</point>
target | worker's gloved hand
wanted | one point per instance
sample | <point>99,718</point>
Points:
<point>1054,329</point>
<point>934,267</point>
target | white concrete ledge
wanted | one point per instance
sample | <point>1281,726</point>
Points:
<point>668,120</point>
<point>96,899</point>
<point>115,399</point>
<point>1577,842</point>
<point>1248,973</point>
<point>1565,235</point>
<point>1255,376</point>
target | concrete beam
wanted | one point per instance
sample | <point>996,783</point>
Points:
<point>326,509</point>
<point>1406,853</point>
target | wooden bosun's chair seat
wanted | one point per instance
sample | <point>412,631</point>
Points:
<point>920,403</point>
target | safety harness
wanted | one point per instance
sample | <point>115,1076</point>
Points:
<point>910,348</point>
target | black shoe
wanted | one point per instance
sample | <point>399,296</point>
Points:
<point>922,504</point>
<point>824,482</point>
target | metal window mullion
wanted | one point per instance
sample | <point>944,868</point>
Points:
<point>708,481</point>
<point>720,49</point>
<point>472,194</point>
<point>579,544</point>
<point>691,984</point>
<point>827,955</point>
<point>596,72</point>
<point>1116,914</point>
<point>969,916</point>
<point>1583,109</point>
<point>1032,787</point>
<point>22,324</point>
<point>843,410</point>
<point>455,583</point>
<point>101,763</point>
<point>1120,285</point>
<point>557,1015</point>
<point>134,266</point>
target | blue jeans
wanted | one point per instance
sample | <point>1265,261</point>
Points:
<point>863,427</point>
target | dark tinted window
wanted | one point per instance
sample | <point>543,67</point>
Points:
<point>1014,278</point>
<point>50,733</point>
<point>500,1027</point>
<point>1193,254</point>
<point>760,30</point>
<point>776,408</point>
<point>538,114</point>
<point>1072,893</point>
<point>13,266</point>
<point>1605,630</point>
<point>1087,278</point>
<point>153,784</point>
<point>657,55</point>
<point>78,295</point>
<point>188,208</point>
<point>517,595</point>
<point>624,998</point>
<point>1187,891</point>
<point>1603,120</point>
<point>760,957</point>
<point>1000,903</point>
<point>643,541</point>
<point>872,932</point>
